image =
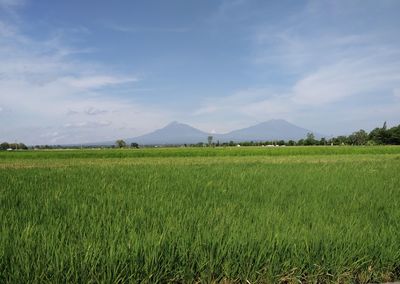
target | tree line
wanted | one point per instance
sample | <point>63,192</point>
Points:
<point>378,136</point>
<point>13,146</point>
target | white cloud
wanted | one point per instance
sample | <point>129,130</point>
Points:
<point>243,108</point>
<point>95,111</point>
<point>236,101</point>
<point>355,78</point>
<point>44,89</point>
<point>324,67</point>
<point>345,79</point>
<point>256,103</point>
<point>87,124</point>
<point>98,81</point>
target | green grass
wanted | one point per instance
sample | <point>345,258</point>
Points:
<point>309,214</point>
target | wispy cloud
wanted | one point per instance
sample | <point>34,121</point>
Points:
<point>351,77</point>
<point>348,82</point>
<point>324,68</point>
<point>131,29</point>
<point>38,80</point>
<point>6,30</point>
<point>11,4</point>
<point>87,124</point>
<point>95,111</point>
<point>89,111</point>
<point>99,81</point>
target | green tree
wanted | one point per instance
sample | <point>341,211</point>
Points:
<point>135,145</point>
<point>340,140</point>
<point>358,138</point>
<point>120,143</point>
<point>380,135</point>
<point>310,139</point>
<point>394,135</point>
<point>22,146</point>
<point>4,146</point>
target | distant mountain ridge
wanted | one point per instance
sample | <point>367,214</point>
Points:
<point>180,133</point>
<point>275,129</point>
<point>173,133</point>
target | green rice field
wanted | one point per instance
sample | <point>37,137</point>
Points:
<point>201,215</point>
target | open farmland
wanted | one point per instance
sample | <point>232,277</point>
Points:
<point>262,215</point>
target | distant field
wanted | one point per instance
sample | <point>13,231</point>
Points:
<point>257,214</point>
<point>202,152</point>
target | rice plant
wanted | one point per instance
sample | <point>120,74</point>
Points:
<point>301,214</point>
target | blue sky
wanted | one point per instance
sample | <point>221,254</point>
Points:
<point>81,71</point>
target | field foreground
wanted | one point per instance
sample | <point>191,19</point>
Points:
<point>261,215</point>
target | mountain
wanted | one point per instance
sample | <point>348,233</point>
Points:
<point>173,133</point>
<point>275,129</point>
<point>179,133</point>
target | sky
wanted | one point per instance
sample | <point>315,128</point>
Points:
<point>84,71</point>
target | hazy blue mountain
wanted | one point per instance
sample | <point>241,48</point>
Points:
<point>275,129</point>
<point>179,133</point>
<point>173,133</point>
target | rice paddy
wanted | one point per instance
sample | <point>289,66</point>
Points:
<point>232,215</point>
